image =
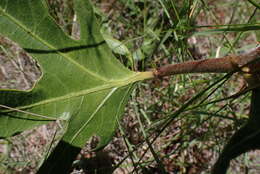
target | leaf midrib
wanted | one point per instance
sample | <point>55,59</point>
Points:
<point>120,83</point>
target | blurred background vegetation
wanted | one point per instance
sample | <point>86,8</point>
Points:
<point>173,125</point>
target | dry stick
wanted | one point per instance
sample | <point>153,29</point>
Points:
<point>218,65</point>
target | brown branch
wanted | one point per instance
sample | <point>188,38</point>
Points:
<point>218,65</point>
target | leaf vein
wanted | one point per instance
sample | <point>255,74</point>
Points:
<point>93,114</point>
<point>52,47</point>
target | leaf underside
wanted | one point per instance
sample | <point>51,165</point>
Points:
<point>81,79</point>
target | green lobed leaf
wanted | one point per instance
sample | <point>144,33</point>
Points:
<point>81,78</point>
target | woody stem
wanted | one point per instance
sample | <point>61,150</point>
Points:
<point>218,65</point>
